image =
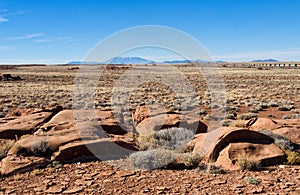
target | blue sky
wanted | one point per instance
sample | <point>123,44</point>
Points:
<point>58,31</point>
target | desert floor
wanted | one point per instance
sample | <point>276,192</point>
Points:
<point>235,94</point>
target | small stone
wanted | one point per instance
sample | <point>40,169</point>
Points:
<point>289,184</point>
<point>55,189</point>
<point>89,183</point>
<point>40,189</point>
<point>74,190</point>
<point>125,173</point>
<point>160,188</point>
<point>107,181</point>
<point>219,182</point>
<point>88,178</point>
<point>239,186</point>
<point>257,190</point>
<point>238,191</point>
<point>50,177</point>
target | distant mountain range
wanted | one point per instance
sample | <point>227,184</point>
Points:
<point>118,60</point>
<point>139,60</point>
<point>130,60</point>
<point>266,60</point>
<point>136,60</point>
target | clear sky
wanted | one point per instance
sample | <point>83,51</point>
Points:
<point>58,31</point>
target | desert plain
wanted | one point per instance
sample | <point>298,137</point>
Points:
<point>160,118</point>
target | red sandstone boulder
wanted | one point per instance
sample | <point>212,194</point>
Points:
<point>16,126</point>
<point>264,154</point>
<point>163,121</point>
<point>100,149</point>
<point>263,124</point>
<point>18,164</point>
<point>147,111</point>
<point>64,122</point>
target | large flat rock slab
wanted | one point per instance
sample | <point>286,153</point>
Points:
<point>65,122</point>
<point>163,121</point>
<point>100,149</point>
<point>19,164</point>
<point>16,126</point>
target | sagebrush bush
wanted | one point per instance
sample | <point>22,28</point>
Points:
<point>226,123</point>
<point>238,123</point>
<point>167,148</point>
<point>247,116</point>
<point>164,159</point>
<point>252,180</point>
<point>245,163</point>
<point>211,168</point>
<point>187,160</point>
<point>175,138</point>
<point>4,148</point>
<point>152,159</point>
<point>41,148</point>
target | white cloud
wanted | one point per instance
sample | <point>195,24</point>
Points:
<point>13,13</point>
<point>28,36</point>
<point>3,19</point>
<point>4,48</point>
<point>4,14</point>
<point>54,39</point>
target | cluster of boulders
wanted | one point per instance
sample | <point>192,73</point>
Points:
<point>43,136</point>
<point>9,77</point>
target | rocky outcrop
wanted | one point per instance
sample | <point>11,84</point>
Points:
<point>64,123</point>
<point>146,111</point>
<point>16,126</point>
<point>150,119</point>
<point>100,149</point>
<point>54,134</point>
<point>84,135</point>
<point>40,145</point>
<point>263,154</point>
<point>238,136</point>
<point>19,164</point>
<point>263,124</point>
<point>233,144</point>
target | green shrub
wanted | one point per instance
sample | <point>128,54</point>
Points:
<point>252,180</point>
